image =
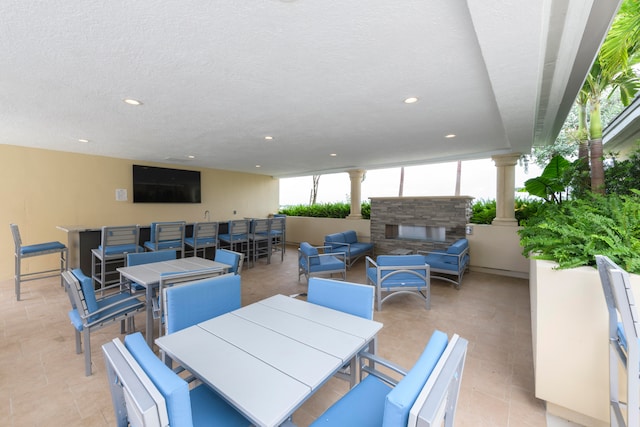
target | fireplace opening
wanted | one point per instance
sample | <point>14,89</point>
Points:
<point>415,232</point>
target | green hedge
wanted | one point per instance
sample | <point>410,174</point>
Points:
<point>326,210</point>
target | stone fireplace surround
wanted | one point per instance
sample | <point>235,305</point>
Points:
<point>426,221</point>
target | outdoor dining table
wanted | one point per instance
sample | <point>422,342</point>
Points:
<point>148,276</point>
<point>267,358</point>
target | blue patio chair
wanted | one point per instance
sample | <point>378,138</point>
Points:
<point>398,275</point>
<point>167,236</point>
<point>237,237</point>
<point>205,236</point>
<point>260,239</point>
<point>194,302</point>
<point>234,259</point>
<point>115,243</point>
<point>34,250</point>
<point>199,406</point>
<point>312,262</point>
<point>88,313</point>
<point>351,298</point>
<point>278,234</point>
<point>426,395</point>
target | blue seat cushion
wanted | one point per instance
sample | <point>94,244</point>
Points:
<point>41,247</point>
<point>235,237</point>
<point>398,279</point>
<point>350,236</point>
<point>458,246</point>
<point>444,262</point>
<point>165,244</point>
<point>121,249</point>
<point>203,241</point>
<point>309,251</point>
<point>362,406</point>
<point>328,263</point>
<point>399,401</point>
<point>208,408</point>
<point>173,388</point>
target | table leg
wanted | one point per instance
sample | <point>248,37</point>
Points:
<point>149,301</point>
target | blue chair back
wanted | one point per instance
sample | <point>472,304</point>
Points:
<point>174,389</point>
<point>194,302</point>
<point>148,257</point>
<point>228,257</point>
<point>352,298</point>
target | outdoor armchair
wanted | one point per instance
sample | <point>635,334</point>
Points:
<point>312,262</point>
<point>88,313</point>
<point>427,394</point>
<point>397,275</point>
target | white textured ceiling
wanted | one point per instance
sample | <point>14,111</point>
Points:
<point>320,76</point>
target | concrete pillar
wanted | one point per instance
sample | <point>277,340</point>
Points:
<point>505,189</point>
<point>355,175</point>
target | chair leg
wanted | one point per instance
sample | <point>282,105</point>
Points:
<point>64,264</point>
<point>17,278</point>
<point>87,352</point>
<point>78,342</point>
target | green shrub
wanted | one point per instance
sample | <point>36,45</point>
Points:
<point>326,210</point>
<point>573,232</point>
<point>484,211</point>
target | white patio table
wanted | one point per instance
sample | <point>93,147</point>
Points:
<point>148,276</point>
<point>267,358</point>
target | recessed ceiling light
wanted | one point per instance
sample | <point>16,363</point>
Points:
<point>258,166</point>
<point>268,138</point>
<point>132,101</point>
<point>83,140</point>
<point>333,154</point>
<point>451,135</point>
<point>411,100</point>
<point>191,157</point>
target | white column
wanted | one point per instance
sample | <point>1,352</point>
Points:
<point>505,189</point>
<point>355,175</point>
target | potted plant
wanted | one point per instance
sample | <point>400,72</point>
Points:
<point>568,310</point>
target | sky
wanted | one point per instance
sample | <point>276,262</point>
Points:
<point>478,180</point>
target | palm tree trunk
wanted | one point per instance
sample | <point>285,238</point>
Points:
<point>595,146</point>
<point>401,182</point>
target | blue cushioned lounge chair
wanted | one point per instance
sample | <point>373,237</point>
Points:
<point>399,274</point>
<point>312,262</point>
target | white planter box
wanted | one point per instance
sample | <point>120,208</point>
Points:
<point>569,325</point>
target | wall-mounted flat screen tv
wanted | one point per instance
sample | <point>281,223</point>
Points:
<point>164,185</point>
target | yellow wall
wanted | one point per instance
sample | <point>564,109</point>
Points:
<point>42,189</point>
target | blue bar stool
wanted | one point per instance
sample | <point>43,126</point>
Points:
<point>36,250</point>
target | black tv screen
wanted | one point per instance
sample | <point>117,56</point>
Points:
<point>164,185</point>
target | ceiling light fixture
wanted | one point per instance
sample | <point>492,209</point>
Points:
<point>258,166</point>
<point>333,155</point>
<point>411,100</point>
<point>268,138</point>
<point>191,157</point>
<point>451,135</point>
<point>132,101</point>
<point>83,140</point>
